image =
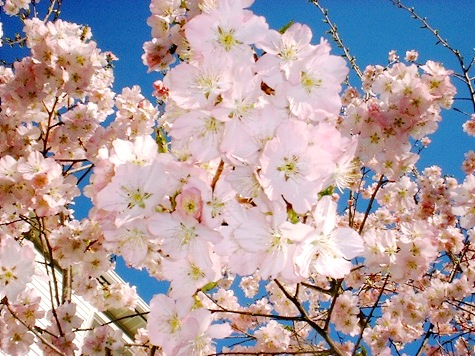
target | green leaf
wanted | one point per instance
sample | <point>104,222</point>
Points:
<point>286,27</point>
<point>327,191</point>
<point>161,139</point>
<point>208,287</point>
<point>289,328</point>
<point>362,351</point>
<point>293,216</point>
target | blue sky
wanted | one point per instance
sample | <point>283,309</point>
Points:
<point>370,28</point>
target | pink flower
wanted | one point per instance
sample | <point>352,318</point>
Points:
<point>345,313</point>
<point>190,203</point>
<point>202,131</point>
<point>142,151</point>
<point>17,266</point>
<point>272,337</point>
<point>316,85</point>
<point>167,10</point>
<point>161,91</point>
<point>102,338</point>
<point>133,192</point>
<point>227,31</point>
<point>182,235</point>
<point>12,7</point>
<point>328,250</point>
<point>38,169</point>
<point>190,273</point>
<point>165,320</point>
<point>130,240</point>
<point>284,53</point>
<point>198,333</point>
<point>197,85</point>
<point>293,169</point>
<point>272,241</point>
<point>411,56</point>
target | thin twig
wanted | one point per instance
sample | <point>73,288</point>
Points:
<point>217,175</point>
<point>368,318</point>
<point>271,316</point>
<point>465,69</point>
<point>337,39</point>
<point>36,333</point>
<point>333,347</point>
<point>370,204</point>
<point>335,293</point>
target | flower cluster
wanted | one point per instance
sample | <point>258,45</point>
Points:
<point>230,190</point>
<point>52,105</point>
<point>403,105</point>
<point>254,143</point>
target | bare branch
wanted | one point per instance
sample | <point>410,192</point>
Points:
<point>337,39</point>
<point>440,40</point>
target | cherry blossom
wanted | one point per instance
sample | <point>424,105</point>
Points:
<point>17,266</point>
<point>227,30</point>
<point>272,242</point>
<point>332,248</point>
<point>284,52</point>
<point>199,332</point>
<point>166,320</point>
<point>134,198</point>
<point>291,168</point>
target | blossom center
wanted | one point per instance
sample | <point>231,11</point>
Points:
<point>174,323</point>
<point>212,126</point>
<point>289,168</point>
<point>133,235</point>
<point>226,38</point>
<point>187,234</point>
<point>135,197</point>
<point>309,82</point>
<point>288,53</point>
<point>205,83</point>
<point>7,275</point>
<point>196,273</point>
<point>216,206</point>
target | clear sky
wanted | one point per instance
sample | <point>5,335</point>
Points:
<point>370,28</point>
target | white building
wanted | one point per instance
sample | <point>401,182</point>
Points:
<point>116,319</point>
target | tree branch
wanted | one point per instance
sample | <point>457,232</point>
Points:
<point>465,69</point>
<point>337,39</point>
<point>333,347</point>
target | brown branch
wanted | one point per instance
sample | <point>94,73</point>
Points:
<point>318,289</point>
<point>87,167</point>
<point>48,129</point>
<point>335,293</point>
<point>323,353</point>
<point>426,338</point>
<point>270,316</point>
<point>52,9</point>
<point>333,347</point>
<point>465,69</point>
<point>368,318</point>
<point>116,320</point>
<point>370,204</point>
<point>32,329</point>
<point>219,170</point>
<point>126,317</point>
<point>67,290</point>
<point>50,267</point>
